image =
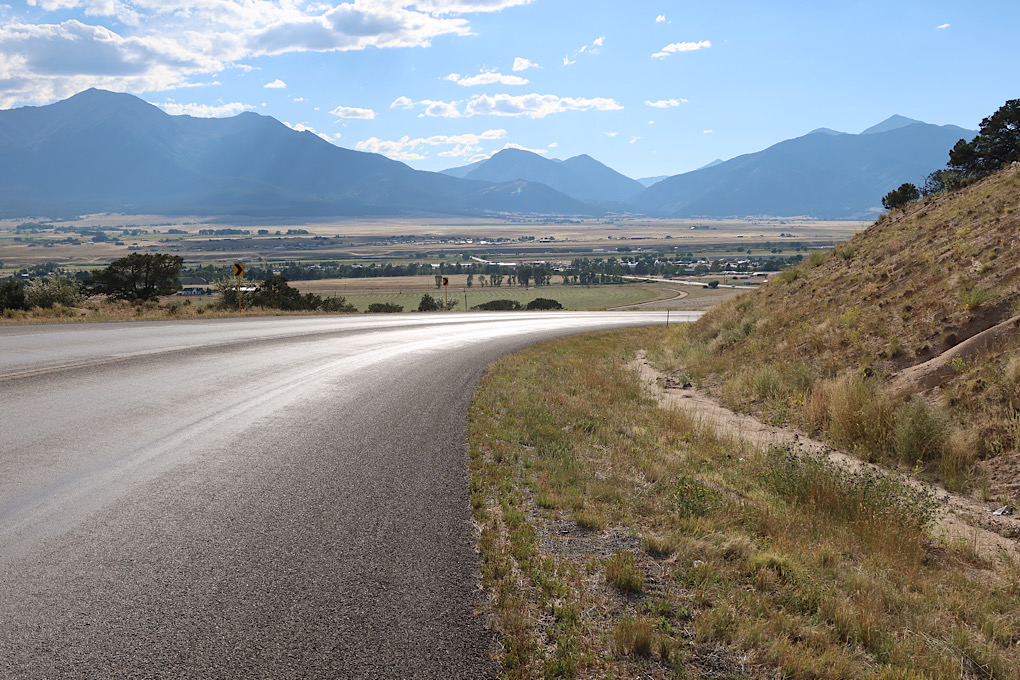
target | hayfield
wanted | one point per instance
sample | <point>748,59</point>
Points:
<point>408,290</point>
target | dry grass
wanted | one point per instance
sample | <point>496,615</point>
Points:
<point>164,309</point>
<point>814,347</point>
<point>751,565</point>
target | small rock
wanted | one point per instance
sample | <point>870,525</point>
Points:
<point>599,475</point>
<point>699,563</point>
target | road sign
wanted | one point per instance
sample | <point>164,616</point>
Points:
<point>238,269</point>
<point>446,280</point>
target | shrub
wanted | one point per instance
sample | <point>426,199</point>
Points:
<point>384,308</point>
<point>340,305</point>
<point>47,293</point>
<point>138,277</point>
<point>501,305</point>
<point>713,283</point>
<point>816,258</point>
<point>543,303</point>
<point>276,293</point>
<point>791,275</point>
<point>921,432</point>
<point>12,295</point>
<point>974,298</point>
<point>429,304</point>
<point>906,193</point>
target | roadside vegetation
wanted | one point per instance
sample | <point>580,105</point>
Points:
<point>62,298</point>
<point>619,539</point>
<point>830,346</point>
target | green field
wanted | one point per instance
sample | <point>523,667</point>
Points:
<point>571,297</point>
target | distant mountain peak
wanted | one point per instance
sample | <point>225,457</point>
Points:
<point>825,131</point>
<point>714,163</point>
<point>893,122</point>
<point>580,177</point>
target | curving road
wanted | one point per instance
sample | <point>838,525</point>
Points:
<point>254,498</point>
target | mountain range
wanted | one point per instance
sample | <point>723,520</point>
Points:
<point>824,173</point>
<point>101,151</point>
<point>581,177</point>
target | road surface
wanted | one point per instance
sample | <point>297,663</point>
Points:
<point>252,498</point>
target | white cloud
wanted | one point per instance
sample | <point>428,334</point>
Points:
<point>297,100</point>
<point>275,85</point>
<point>304,127</point>
<point>675,48</point>
<point>943,26</point>
<point>465,6</point>
<point>553,145</point>
<point>433,108</point>
<point>661,18</point>
<point>590,49</point>
<point>666,103</point>
<point>651,122</point>
<point>408,149</point>
<point>53,5</point>
<point>160,45</point>
<point>460,151</point>
<point>634,139</point>
<point>707,132</point>
<point>353,112</point>
<point>439,109</point>
<point>44,62</point>
<point>513,145</point>
<point>522,64</point>
<point>486,78</point>
<point>534,105</point>
<point>612,134</point>
<point>204,110</point>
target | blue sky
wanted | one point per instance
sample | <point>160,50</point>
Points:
<point>647,87</point>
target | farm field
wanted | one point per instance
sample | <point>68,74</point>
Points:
<point>71,243</point>
<point>407,291</point>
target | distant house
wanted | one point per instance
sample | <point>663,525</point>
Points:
<point>194,285</point>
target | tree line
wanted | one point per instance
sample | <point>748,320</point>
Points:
<point>996,145</point>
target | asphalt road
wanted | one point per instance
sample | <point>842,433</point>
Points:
<point>255,498</point>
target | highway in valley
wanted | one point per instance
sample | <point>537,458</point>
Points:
<point>277,497</point>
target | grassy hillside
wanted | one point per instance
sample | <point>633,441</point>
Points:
<point>820,346</point>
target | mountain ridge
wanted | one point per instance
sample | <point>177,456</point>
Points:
<point>580,177</point>
<point>821,175</point>
<point>101,151</point>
